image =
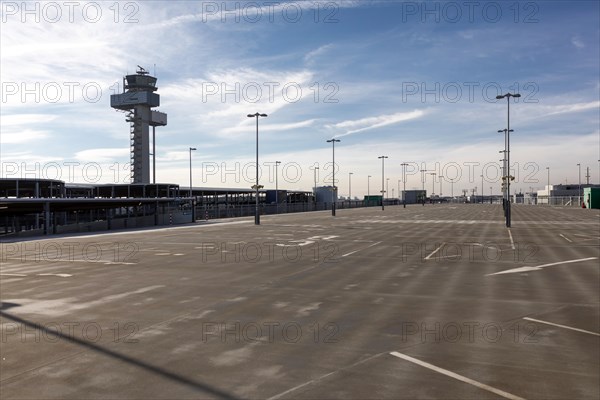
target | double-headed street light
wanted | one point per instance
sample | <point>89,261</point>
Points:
<point>316,169</point>
<point>432,184</point>
<point>382,179</point>
<point>481,188</point>
<point>387,187</point>
<point>333,199</point>
<point>404,183</point>
<point>191,149</point>
<point>350,185</point>
<point>276,187</point>
<point>579,194</point>
<point>507,141</point>
<point>548,169</point>
<point>256,186</point>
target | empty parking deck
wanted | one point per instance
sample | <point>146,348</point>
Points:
<point>436,301</point>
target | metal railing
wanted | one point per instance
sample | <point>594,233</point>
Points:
<point>560,201</point>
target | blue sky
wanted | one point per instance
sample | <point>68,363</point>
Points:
<point>415,81</point>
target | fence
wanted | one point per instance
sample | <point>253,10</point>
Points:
<point>561,201</point>
<point>247,210</point>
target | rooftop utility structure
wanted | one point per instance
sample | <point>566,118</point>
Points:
<point>137,101</point>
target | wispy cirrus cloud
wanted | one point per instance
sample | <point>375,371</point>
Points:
<point>364,124</point>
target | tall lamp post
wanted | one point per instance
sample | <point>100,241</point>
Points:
<point>277,187</point>
<point>505,172</point>
<point>507,141</point>
<point>333,199</point>
<point>387,186</point>
<point>548,169</point>
<point>350,185</point>
<point>433,174</point>
<point>382,179</point>
<point>316,169</point>
<point>404,184</point>
<point>481,188</point>
<point>579,192</point>
<point>369,187</point>
<point>423,172</point>
<point>441,177</point>
<point>256,186</point>
<point>191,149</point>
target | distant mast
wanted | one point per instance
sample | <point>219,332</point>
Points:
<point>137,101</point>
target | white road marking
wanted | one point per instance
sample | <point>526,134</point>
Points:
<point>356,251</point>
<point>12,275</point>
<point>456,376</point>
<point>566,238</point>
<point>296,243</point>
<point>329,237</point>
<point>63,260</point>
<point>323,377</point>
<point>539,267</point>
<point>512,242</point>
<point>162,254</point>
<point>436,250</point>
<point>59,275</point>
<point>561,326</point>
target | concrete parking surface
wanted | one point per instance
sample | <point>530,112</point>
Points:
<point>435,301</point>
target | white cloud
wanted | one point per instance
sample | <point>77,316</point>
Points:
<point>577,42</point>
<point>360,125</point>
<point>101,155</point>
<point>247,126</point>
<point>23,136</point>
<point>26,119</point>
<point>310,57</point>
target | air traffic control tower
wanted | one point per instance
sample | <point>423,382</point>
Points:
<point>137,101</point>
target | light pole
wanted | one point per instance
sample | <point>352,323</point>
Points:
<point>433,174</point>
<point>350,185</point>
<point>579,192</point>
<point>333,199</point>
<point>256,186</point>
<point>548,169</point>
<point>316,169</point>
<point>481,188</point>
<point>191,149</point>
<point>369,186</point>
<point>423,172</point>
<point>387,186</point>
<point>382,179</point>
<point>404,184</point>
<point>399,187</point>
<point>508,96</point>
<point>441,177</point>
<point>276,187</point>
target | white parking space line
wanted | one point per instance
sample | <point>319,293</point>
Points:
<point>456,376</point>
<point>566,238</point>
<point>323,377</point>
<point>435,251</point>
<point>561,326</point>
<point>512,242</point>
<point>539,267</point>
<point>356,251</point>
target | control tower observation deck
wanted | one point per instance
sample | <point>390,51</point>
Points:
<point>137,101</point>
